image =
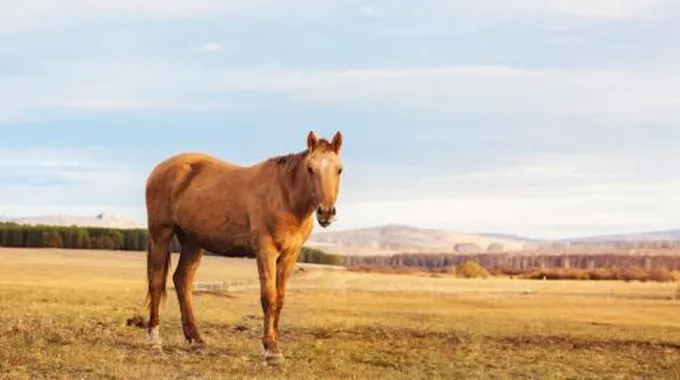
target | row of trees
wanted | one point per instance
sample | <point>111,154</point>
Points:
<point>23,236</point>
<point>74,237</point>
<point>570,247</point>
<point>604,245</point>
<point>516,263</point>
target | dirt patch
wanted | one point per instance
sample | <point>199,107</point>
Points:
<point>137,321</point>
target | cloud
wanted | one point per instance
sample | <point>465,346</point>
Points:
<point>560,215</point>
<point>600,10</point>
<point>369,11</point>
<point>643,94</point>
<point>53,14</point>
<point>606,9</point>
<point>649,94</point>
<point>210,47</point>
<point>537,196</point>
<point>66,177</point>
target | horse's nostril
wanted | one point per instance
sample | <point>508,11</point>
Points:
<point>333,211</point>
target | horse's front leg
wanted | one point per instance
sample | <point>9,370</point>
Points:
<point>285,267</point>
<point>266,266</point>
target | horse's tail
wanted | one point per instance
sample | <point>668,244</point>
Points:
<point>152,273</point>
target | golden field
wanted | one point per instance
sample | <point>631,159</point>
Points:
<point>64,313</point>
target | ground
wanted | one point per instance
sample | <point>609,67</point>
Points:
<point>63,314</point>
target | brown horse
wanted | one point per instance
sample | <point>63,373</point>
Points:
<point>265,210</point>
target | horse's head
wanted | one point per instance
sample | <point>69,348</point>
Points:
<point>323,168</point>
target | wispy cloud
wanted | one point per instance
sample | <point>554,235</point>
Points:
<point>644,94</point>
<point>369,11</point>
<point>23,16</point>
<point>66,177</point>
<point>607,9</point>
<point>210,47</point>
<point>580,9</point>
<point>562,195</point>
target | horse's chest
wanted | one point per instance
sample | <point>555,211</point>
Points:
<point>291,236</point>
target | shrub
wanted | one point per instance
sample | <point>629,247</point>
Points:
<point>634,274</point>
<point>603,274</point>
<point>471,269</point>
<point>676,275</point>
<point>661,275</point>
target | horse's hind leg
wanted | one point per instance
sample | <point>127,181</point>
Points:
<point>183,278</point>
<point>158,263</point>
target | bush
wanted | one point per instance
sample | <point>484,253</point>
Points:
<point>471,269</point>
<point>676,275</point>
<point>634,274</point>
<point>661,275</point>
<point>603,274</point>
<point>317,256</point>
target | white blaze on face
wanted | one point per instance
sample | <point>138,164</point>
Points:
<point>325,162</point>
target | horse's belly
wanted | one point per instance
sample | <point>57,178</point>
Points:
<point>231,237</point>
<point>233,251</point>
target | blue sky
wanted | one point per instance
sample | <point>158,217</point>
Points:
<point>542,118</point>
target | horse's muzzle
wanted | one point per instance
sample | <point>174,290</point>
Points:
<point>325,215</point>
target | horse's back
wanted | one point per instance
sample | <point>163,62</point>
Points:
<point>181,163</point>
<point>188,158</point>
<point>172,176</point>
<point>207,198</point>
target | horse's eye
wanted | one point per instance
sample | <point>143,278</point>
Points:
<point>340,171</point>
<point>310,170</point>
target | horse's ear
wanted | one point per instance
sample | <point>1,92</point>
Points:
<point>336,143</point>
<point>312,141</point>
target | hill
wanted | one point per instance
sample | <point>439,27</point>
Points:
<point>669,235</point>
<point>394,238</point>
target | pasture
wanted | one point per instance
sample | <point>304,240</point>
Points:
<point>64,314</point>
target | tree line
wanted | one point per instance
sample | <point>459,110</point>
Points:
<point>75,237</point>
<point>507,263</point>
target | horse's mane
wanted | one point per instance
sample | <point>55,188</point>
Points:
<point>292,160</point>
<point>287,161</point>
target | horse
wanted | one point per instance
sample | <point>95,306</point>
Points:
<point>265,210</point>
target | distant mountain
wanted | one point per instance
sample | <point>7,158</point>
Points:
<point>393,238</point>
<point>629,237</point>
<point>101,220</point>
<point>511,237</point>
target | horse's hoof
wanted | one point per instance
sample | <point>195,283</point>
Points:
<point>273,358</point>
<point>197,344</point>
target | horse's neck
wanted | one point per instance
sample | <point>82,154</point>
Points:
<point>295,193</point>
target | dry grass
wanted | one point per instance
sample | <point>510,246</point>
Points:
<point>64,315</point>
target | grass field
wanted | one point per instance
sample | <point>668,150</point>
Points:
<point>63,315</point>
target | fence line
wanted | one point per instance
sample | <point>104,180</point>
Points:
<point>233,286</point>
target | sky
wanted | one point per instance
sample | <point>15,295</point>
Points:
<point>543,118</point>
